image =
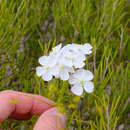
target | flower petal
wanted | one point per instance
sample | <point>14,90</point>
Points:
<point>79,74</point>
<point>43,60</point>
<point>56,49</point>
<point>83,74</point>
<point>40,71</point>
<point>74,47</point>
<point>55,70</point>
<point>89,87</point>
<point>77,90</point>
<point>82,57</point>
<point>88,75</point>
<point>88,52</point>
<point>87,48</point>
<point>72,79</point>
<point>79,64</point>
<point>70,69</point>
<point>65,50</point>
<point>52,61</point>
<point>64,75</point>
<point>66,62</point>
<point>47,76</point>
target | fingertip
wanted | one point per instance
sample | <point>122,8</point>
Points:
<point>40,104</point>
<point>51,120</point>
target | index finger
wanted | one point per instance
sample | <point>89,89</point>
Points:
<point>18,104</point>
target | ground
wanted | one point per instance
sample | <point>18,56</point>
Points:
<point>30,28</point>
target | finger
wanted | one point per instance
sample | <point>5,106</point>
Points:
<point>17,104</point>
<point>50,120</point>
<point>21,116</point>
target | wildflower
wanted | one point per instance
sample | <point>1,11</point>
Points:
<point>45,71</point>
<point>67,64</point>
<point>80,80</point>
<point>49,61</point>
<point>84,49</point>
<point>87,49</point>
<point>71,58</point>
<point>61,71</point>
<point>56,50</point>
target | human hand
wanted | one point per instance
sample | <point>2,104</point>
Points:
<point>21,106</point>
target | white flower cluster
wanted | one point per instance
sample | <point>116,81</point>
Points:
<point>67,63</point>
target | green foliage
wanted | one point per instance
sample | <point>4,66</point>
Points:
<point>30,28</point>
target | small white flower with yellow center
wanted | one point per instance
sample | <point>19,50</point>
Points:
<point>47,63</point>
<point>80,80</point>
<point>71,58</point>
<point>61,71</point>
<point>85,49</point>
<point>66,63</point>
<point>56,50</point>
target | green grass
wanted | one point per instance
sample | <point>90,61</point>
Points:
<point>30,28</point>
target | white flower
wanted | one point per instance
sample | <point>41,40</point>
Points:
<point>56,50</point>
<point>45,72</point>
<point>61,71</point>
<point>87,48</point>
<point>72,58</point>
<point>47,63</point>
<point>84,49</point>
<point>81,79</point>
<point>63,63</point>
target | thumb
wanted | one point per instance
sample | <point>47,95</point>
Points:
<point>50,120</point>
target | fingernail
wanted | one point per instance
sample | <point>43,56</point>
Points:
<point>60,118</point>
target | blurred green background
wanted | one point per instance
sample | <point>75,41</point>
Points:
<point>30,28</point>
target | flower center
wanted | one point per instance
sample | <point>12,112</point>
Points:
<point>72,59</point>
<point>82,82</point>
<point>47,68</point>
<point>62,67</point>
<point>54,50</point>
